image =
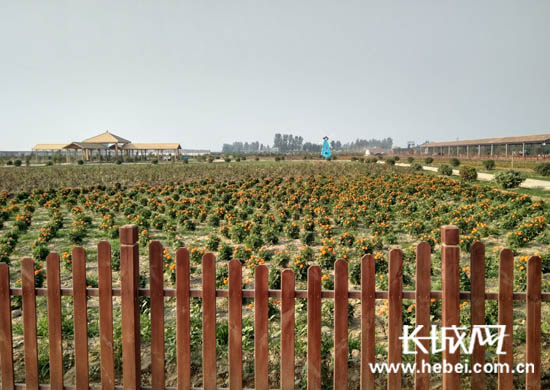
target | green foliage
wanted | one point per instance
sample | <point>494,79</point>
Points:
<point>468,174</point>
<point>410,159</point>
<point>455,162</point>
<point>445,170</point>
<point>543,169</point>
<point>509,179</point>
<point>489,164</point>
<point>428,160</point>
<point>416,167</point>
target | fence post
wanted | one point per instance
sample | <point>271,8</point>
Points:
<point>395,316</point>
<point>534,273</point>
<point>422,297</point>
<point>477,307</point>
<point>506,316</point>
<point>129,280</point>
<point>451,298</point>
<point>6,347</point>
<point>368,332</point>
<point>314,328</point>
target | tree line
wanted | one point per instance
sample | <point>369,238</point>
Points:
<point>289,143</point>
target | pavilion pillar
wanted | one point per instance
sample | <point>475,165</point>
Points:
<point>467,151</point>
<point>506,150</point>
<point>523,152</point>
<point>479,150</point>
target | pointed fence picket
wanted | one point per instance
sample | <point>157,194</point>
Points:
<point>130,309</point>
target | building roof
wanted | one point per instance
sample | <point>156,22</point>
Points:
<point>528,139</point>
<point>84,145</point>
<point>107,138</point>
<point>151,146</point>
<point>39,147</point>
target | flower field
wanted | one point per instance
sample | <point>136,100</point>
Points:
<point>287,215</point>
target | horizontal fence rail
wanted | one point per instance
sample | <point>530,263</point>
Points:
<point>367,296</point>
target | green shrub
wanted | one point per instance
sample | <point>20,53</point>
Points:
<point>17,163</point>
<point>468,174</point>
<point>543,169</point>
<point>49,163</point>
<point>489,164</point>
<point>396,158</point>
<point>445,170</point>
<point>9,162</point>
<point>416,167</point>
<point>118,162</point>
<point>410,159</point>
<point>455,162</point>
<point>390,161</point>
<point>428,160</point>
<point>80,162</point>
<point>509,179</point>
<point>155,161</point>
<point>40,252</point>
<point>227,159</point>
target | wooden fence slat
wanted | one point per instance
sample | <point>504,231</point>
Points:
<point>423,286</point>
<point>129,282</point>
<point>314,328</point>
<point>506,316</point>
<point>395,319</point>
<point>54,321</point>
<point>80,318</point>
<point>156,274</point>
<point>341,347</point>
<point>6,343</point>
<point>183,317</point>
<point>261,353</point>
<point>368,330</point>
<point>29,324</point>
<point>477,308</point>
<point>105,281</point>
<point>235,325</point>
<point>451,300</point>
<point>287,329</point>
<point>533,353</point>
<point>209,321</point>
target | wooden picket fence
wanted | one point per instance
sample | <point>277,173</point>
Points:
<point>130,291</point>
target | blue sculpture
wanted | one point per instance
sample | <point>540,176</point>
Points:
<point>325,152</point>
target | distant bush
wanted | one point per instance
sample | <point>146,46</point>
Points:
<point>445,170</point>
<point>49,163</point>
<point>396,158</point>
<point>155,161</point>
<point>17,163</point>
<point>455,162</point>
<point>489,164</point>
<point>416,166</point>
<point>186,160</point>
<point>227,159</point>
<point>277,158</point>
<point>390,161</point>
<point>238,159</point>
<point>509,179</point>
<point>468,174</point>
<point>80,162</point>
<point>543,169</point>
<point>428,160</point>
<point>9,162</point>
<point>118,162</point>
<point>410,159</point>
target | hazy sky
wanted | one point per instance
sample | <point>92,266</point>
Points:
<point>207,72</point>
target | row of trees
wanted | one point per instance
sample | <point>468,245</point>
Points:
<point>288,143</point>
